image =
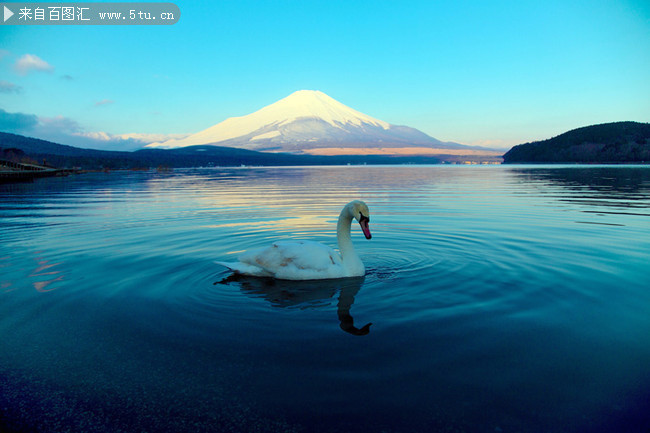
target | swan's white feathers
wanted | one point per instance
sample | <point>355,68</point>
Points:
<point>306,260</point>
<point>295,260</point>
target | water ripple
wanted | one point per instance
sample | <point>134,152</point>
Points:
<point>481,282</point>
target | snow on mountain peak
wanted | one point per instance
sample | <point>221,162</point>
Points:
<point>302,104</point>
<point>314,103</point>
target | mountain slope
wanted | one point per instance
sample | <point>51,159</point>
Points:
<point>303,121</point>
<point>36,146</point>
<point>605,143</point>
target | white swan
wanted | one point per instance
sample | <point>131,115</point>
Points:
<point>308,260</point>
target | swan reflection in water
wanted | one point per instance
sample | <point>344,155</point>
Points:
<point>305,294</point>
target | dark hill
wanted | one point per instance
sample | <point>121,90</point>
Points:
<point>59,155</point>
<point>618,142</point>
<point>36,146</point>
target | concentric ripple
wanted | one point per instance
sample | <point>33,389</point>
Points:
<point>501,299</point>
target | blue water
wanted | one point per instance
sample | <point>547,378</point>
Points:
<point>502,299</point>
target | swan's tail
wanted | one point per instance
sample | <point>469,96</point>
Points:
<point>245,269</point>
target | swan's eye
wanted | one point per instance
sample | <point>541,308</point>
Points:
<point>363,217</point>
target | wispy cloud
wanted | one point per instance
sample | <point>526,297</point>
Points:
<point>67,77</point>
<point>104,102</point>
<point>7,87</point>
<point>30,62</point>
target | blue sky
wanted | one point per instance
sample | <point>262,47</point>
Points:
<point>474,72</point>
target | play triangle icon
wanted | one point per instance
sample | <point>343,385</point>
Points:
<point>8,13</point>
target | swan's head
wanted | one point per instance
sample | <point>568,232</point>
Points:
<point>359,211</point>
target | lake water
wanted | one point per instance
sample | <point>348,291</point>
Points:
<point>502,299</point>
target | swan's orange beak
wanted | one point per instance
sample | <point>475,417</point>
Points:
<point>363,222</point>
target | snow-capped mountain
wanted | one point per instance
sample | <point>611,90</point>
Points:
<point>308,121</point>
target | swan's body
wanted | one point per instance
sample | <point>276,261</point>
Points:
<point>308,260</point>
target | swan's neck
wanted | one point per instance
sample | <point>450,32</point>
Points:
<point>349,257</point>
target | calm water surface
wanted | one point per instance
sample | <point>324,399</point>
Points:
<point>502,299</point>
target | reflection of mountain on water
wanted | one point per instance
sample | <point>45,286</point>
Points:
<point>306,295</point>
<point>615,186</point>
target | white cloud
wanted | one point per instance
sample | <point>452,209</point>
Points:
<point>142,137</point>
<point>68,131</point>
<point>151,138</point>
<point>134,140</point>
<point>29,62</point>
